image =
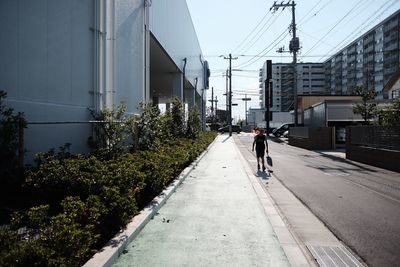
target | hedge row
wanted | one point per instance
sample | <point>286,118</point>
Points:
<point>85,201</point>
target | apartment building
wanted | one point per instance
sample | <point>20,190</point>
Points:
<point>310,81</point>
<point>370,61</point>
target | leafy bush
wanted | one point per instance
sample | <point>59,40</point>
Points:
<point>9,125</point>
<point>367,109</point>
<point>391,115</point>
<point>57,241</point>
<point>194,123</point>
<point>90,199</point>
<point>112,130</point>
<point>149,127</point>
<point>178,118</point>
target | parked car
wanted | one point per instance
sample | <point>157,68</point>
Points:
<point>278,132</point>
<point>225,129</point>
<point>286,134</point>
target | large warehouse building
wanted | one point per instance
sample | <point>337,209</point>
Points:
<point>62,58</point>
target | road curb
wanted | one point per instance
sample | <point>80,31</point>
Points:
<point>295,251</point>
<point>117,245</point>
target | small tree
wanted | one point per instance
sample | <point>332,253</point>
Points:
<point>9,126</point>
<point>112,131</point>
<point>149,127</point>
<point>178,118</point>
<point>366,108</point>
<point>194,123</point>
<point>391,115</point>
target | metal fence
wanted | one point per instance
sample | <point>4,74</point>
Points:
<point>374,136</point>
<point>299,132</point>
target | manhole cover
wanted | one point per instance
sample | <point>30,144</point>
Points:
<point>334,256</point>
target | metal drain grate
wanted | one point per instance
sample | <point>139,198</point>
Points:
<point>337,256</point>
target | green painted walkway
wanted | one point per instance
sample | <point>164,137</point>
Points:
<point>213,219</point>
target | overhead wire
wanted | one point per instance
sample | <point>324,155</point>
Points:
<point>244,40</point>
<point>309,11</point>
<point>301,22</point>
<point>254,58</point>
<point>334,26</point>
<point>260,35</point>
<point>324,42</point>
<point>247,63</point>
<point>357,31</point>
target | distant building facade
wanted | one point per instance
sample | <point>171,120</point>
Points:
<point>310,81</point>
<point>370,61</point>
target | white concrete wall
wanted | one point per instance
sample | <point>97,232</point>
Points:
<point>61,57</point>
<point>129,53</point>
<point>172,26</point>
<point>46,55</point>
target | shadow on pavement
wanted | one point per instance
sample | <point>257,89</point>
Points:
<point>226,139</point>
<point>275,139</point>
<point>263,175</point>
<point>347,161</point>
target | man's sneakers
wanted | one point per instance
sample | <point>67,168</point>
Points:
<point>263,168</point>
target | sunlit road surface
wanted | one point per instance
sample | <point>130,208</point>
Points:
<point>359,203</point>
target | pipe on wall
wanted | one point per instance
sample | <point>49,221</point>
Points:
<point>110,53</point>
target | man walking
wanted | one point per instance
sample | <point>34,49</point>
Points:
<point>260,141</point>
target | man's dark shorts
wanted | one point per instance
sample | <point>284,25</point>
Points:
<point>260,151</point>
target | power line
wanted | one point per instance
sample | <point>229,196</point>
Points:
<point>334,26</point>
<point>246,76</point>
<point>255,41</point>
<point>258,24</point>
<point>315,38</point>
<point>309,11</point>
<point>252,61</point>
<point>315,14</point>
<point>277,40</point>
<point>354,33</point>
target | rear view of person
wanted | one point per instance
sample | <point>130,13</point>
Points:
<point>261,144</point>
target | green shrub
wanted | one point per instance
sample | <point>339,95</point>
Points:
<point>9,126</point>
<point>194,123</point>
<point>112,131</point>
<point>391,115</point>
<point>149,127</point>
<point>48,241</point>
<point>178,127</point>
<point>90,200</point>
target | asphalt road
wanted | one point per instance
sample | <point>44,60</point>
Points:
<point>359,203</point>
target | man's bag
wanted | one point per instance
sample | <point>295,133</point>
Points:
<point>269,160</point>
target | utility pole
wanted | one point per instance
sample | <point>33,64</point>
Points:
<point>230,92</point>
<point>227,104</point>
<point>212,103</point>
<point>294,47</point>
<point>216,107</point>
<point>245,99</point>
<point>226,94</point>
<point>213,111</point>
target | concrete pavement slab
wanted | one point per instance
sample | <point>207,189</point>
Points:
<point>213,219</point>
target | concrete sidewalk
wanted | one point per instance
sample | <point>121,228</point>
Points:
<point>219,216</point>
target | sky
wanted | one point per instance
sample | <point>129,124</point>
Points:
<point>251,32</point>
